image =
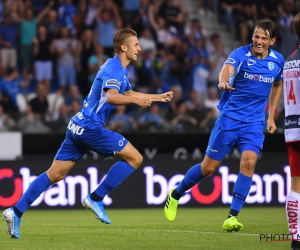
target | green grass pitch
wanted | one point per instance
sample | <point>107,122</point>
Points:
<point>146,229</point>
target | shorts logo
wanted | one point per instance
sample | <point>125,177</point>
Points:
<point>212,150</point>
<point>75,129</point>
<point>121,142</point>
<point>270,65</point>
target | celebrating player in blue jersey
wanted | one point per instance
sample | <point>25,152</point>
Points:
<point>85,132</point>
<point>250,76</point>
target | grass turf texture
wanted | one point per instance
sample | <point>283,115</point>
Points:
<point>146,229</point>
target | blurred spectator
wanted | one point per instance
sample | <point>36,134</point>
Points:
<point>175,102</point>
<point>206,7</point>
<point>173,14</point>
<point>285,10</point>
<point>145,17</point>
<point>67,12</point>
<point>217,56</point>
<point>30,123</point>
<point>75,108</point>
<point>10,87</point>
<point>8,42</point>
<point>212,101</point>
<point>229,9</point>
<point>200,76</point>
<point>74,95</point>
<point>80,17</point>
<point>66,50</point>
<point>55,101</point>
<point>39,104</point>
<point>145,71</point>
<point>121,122</point>
<point>6,123</point>
<point>42,51</point>
<point>94,63</point>
<point>289,40</point>
<point>86,49</point>
<point>52,25</point>
<point>194,31</point>
<point>146,41</point>
<point>108,20</point>
<point>152,121</point>
<point>268,9</point>
<point>28,27</point>
<point>130,11</point>
<point>90,19</point>
<point>245,20</point>
<point>196,52</point>
<point>192,103</point>
<point>183,121</point>
<point>60,123</point>
<point>165,35</point>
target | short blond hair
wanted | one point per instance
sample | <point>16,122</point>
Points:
<point>121,36</point>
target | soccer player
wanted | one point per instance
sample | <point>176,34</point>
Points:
<point>85,132</point>
<point>250,76</point>
<point>291,88</point>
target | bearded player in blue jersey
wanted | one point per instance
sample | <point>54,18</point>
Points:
<point>85,132</point>
<point>250,76</point>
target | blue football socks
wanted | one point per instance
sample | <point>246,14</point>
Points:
<point>240,191</point>
<point>38,186</point>
<point>116,174</point>
<point>193,176</point>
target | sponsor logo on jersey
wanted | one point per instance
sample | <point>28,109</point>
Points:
<point>259,78</point>
<point>75,129</point>
<point>251,62</point>
<point>292,64</point>
<point>270,65</point>
<point>113,82</point>
<point>230,60</point>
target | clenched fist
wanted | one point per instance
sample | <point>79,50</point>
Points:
<point>166,97</point>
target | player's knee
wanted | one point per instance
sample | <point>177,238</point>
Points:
<point>55,176</point>
<point>208,169</point>
<point>136,161</point>
<point>247,166</point>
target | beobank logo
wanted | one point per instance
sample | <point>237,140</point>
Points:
<point>261,191</point>
<point>259,78</point>
<point>266,188</point>
<point>63,193</point>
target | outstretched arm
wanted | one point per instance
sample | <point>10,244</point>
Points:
<point>273,102</point>
<point>224,75</point>
<point>164,97</point>
<point>115,98</point>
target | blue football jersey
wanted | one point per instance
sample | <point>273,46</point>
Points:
<point>95,108</point>
<point>252,80</point>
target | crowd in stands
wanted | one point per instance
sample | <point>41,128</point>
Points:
<point>51,51</point>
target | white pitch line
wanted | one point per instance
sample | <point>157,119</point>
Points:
<point>151,230</point>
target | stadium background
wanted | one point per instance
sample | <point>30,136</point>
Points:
<point>184,55</point>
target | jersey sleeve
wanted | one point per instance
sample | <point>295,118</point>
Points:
<point>234,58</point>
<point>279,77</point>
<point>110,80</point>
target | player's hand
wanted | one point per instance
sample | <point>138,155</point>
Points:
<point>144,102</point>
<point>166,97</point>
<point>271,126</point>
<point>225,85</point>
